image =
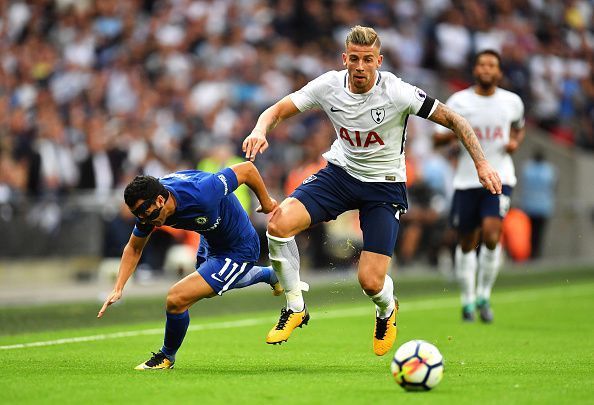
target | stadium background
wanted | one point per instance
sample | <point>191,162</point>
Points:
<point>93,93</point>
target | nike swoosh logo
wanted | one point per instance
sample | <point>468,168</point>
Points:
<point>335,109</point>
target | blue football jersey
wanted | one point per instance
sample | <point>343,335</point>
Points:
<point>205,203</point>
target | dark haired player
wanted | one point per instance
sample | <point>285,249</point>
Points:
<point>497,117</point>
<point>229,246</point>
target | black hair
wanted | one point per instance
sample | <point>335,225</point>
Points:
<point>491,52</point>
<point>143,188</point>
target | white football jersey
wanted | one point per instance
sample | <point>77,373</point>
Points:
<point>491,117</point>
<point>370,127</point>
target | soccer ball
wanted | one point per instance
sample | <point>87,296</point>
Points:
<point>417,366</point>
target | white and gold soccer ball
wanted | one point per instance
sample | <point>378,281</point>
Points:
<point>417,366</point>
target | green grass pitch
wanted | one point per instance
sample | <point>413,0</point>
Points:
<point>539,350</point>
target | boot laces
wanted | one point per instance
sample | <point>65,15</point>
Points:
<point>156,359</point>
<point>284,318</point>
<point>381,327</point>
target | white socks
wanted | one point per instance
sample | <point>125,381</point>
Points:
<point>489,264</point>
<point>466,264</point>
<point>384,300</point>
<point>284,257</point>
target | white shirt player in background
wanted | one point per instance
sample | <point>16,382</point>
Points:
<point>369,110</point>
<point>497,117</point>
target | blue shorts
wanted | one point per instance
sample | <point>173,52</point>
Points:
<point>332,191</point>
<point>471,206</point>
<point>222,269</point>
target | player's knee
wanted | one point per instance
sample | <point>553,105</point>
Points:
<point>468,242</point>
<point>491,237</point>
<point>371,285</point>
<point>491,243</point>
<point>277,228</point>
<point>175,303</point>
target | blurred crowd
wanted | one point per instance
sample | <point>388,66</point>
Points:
<point>95,92</point>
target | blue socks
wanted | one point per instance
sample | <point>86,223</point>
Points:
<point>177,324</point>
<point>257,275</point>
<point>175,331</point>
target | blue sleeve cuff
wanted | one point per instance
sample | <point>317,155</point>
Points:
<point>231,178</point>
<point>141,230</point>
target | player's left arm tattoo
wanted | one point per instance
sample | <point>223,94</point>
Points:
<point>447,117</point>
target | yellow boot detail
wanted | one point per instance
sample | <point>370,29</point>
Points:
<point>158,362</point>
<point>288,321</point>
<point>384,333</point>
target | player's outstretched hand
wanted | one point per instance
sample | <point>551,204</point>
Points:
<point>268,208</point>
<point>112,298</point>
<point>253,144</point>
<point>488,177</point>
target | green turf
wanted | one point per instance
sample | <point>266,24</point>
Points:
<point>539,350</point>
<point>21,319</point>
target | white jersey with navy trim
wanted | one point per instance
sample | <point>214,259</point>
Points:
<point>370,127</point>
<point>491,118</point>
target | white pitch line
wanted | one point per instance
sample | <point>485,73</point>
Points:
<point>446,302</point>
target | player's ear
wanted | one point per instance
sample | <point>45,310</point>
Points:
<point>344,59</point>
<point>380,59</point>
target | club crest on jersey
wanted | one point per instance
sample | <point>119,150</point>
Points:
<point>378,114</point>
<point>310,179</point>
<point>201,220</point>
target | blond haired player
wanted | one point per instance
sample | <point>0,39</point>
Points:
<point>369,109</point>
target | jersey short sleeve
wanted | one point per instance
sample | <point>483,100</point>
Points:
<point>518,112</point>
<point>418,102</point>
<point>220,184</point>
<point>309,95</point>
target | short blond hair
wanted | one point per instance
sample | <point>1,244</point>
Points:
<point>365,36</point>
